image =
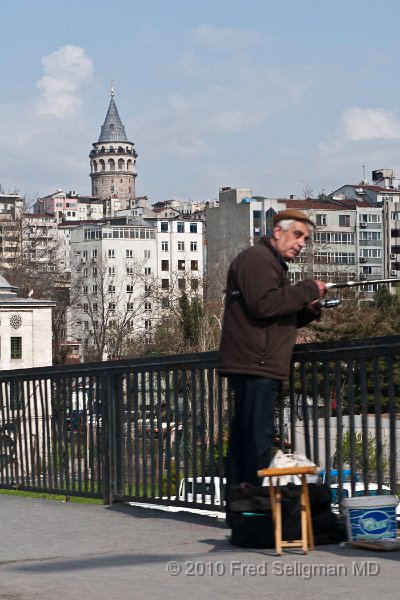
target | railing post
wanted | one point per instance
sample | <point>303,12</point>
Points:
<point>107,438</point>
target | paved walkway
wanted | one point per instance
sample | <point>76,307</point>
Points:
<point>66,551</point>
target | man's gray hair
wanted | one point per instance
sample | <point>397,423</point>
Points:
<point>286,223</point>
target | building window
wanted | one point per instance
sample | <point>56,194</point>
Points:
<point>111,271</point>
<point>194,265</point>
<point>147,253</point>
<point>130,306</point>
<point>147,306</point>
<point>180,227</point>
<point>85,308</point>
<point>111,306</point>
<point>94,271</point>
<point>194,284</point>
<point>193,228</point>
<point>129,288</point>
<point>130,271</point>
<point>94,289</point>
<point>181,246</point>
<point>181,284</point>
<point>165,265</point>
<point>16,347</point>
<point>164,303</point>
<point>147,270</point>
<point>165,284</point>
<point>147,324</point>
<point>164,226</point>
<point>95,307</point>
<point>193,246</point>
<point>129,254</point>
<point>320,219</point>
<point>181,265</point>
<point>344,220</point>
<point>111,289</point>
<point>94,254</point>
<point>164,246</point>
<point>111,254</point>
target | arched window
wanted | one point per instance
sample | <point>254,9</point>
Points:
<point>94,163</point>
<point>120,165</point>
<point>111,164</point>
<point>129,165</point>
<point>102,164</point>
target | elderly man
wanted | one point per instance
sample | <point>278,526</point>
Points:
<point>262,314</point>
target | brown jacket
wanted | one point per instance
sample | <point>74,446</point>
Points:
<point>262,314</point>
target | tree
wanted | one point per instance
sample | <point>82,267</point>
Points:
<point>371,451</point>
<point>31,260</point>
<point>108,309</point>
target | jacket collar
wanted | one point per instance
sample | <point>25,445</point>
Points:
<point>267,242</point>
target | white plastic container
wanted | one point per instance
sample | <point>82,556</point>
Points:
<point>371,517</point>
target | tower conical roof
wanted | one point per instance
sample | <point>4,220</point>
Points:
<point>112,130</point>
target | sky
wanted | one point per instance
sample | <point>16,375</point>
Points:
<point>285,97</point>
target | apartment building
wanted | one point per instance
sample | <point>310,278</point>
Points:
<point>348,241</point>
<point>125,273</point>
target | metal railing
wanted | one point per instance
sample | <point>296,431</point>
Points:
<point>136,430</point>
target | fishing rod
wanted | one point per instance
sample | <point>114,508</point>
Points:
<point>345,284</point>
<point>334,302</point>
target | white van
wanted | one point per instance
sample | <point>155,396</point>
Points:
<point>202,489</point>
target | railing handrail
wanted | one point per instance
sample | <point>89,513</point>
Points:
<point>310,351</point>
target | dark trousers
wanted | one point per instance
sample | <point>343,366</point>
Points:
<point>252,429</point>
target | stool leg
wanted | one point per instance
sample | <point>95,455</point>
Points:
<point>310,531</point>
<point>304,515</point>
<point>277,513</point>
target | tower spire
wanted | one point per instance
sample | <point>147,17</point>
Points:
<point>112,88</point>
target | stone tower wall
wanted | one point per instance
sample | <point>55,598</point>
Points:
<point>113,171</point>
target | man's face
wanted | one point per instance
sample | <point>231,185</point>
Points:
<point>289,243</point>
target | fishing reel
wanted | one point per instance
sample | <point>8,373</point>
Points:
<point>329,303</point>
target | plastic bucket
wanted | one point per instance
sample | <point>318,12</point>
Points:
<point>371,517</point>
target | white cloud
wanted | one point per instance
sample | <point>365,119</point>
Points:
<point>65,72</point>
<point>225,39</point>
<point>369,124</point>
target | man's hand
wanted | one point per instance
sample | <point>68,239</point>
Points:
<point>321,287</point>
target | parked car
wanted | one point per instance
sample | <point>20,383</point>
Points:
<point>359,491</point>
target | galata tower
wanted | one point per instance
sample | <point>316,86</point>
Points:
<point>113,160</point>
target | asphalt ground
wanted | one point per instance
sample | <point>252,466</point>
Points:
<point>67,551</point>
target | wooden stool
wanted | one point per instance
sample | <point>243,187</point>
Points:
<point>307,536</point>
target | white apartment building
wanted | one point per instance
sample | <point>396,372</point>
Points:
<point>391,220</point>
<point>180,256</point>
<point>124,273</point>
